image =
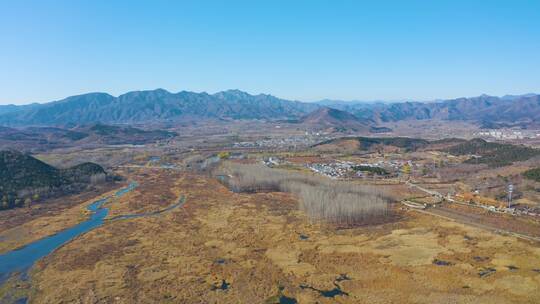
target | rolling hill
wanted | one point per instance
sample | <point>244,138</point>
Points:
<point>332,118</point>
<point>23,178</point>
<point>116,135</point>
<point>491,153</point>
<point>357,144</point>
<point>46,138</point>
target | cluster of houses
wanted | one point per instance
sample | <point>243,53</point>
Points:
<point>526,210</point>
<point>341,169</point>
<point>348,169</point>
<point>394,165</point>
<point>333,170</point>
<point>494,205</point>
<point>272,161</point>
<point>503,134</point>
<point>286,142</point>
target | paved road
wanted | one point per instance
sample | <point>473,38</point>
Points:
<point>430,192</point>
<point>467,219</point>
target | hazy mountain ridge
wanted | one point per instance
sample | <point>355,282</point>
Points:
<point>10,108</point>
<point>162,106</point>
<point>507,109</point>
<point>155,105</point>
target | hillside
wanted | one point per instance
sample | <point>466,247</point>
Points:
<point>492,154</point>
<point>46,138</point>
<point>25,179</point>
<point>115,135</point>
<point>489,111</point>
<point>331,118</point>
<point>352,144</point>
<point>496,110</point>
<point>152,106</point>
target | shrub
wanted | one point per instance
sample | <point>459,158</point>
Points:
<point>533,174</point>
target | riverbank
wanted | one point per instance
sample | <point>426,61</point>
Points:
<point>48,223</point>
<point>15,264</point>
<point>51,207</point>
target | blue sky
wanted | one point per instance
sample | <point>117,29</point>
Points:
<point>305,50</point>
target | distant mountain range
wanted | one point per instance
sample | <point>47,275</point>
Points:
<point>484,110</point>
<point>34,139</point>
<point>162,106</point>
<point>153,106</point>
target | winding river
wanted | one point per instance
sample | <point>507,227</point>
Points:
<point>21,259</point>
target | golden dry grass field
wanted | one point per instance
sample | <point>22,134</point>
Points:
<point>223,247</point>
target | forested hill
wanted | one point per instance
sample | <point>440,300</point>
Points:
<point>331,118</point>
<point>493,154</point>
<point>367,143</point>
<point>25,179</point>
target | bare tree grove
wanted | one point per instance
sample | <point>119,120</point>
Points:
<point>338,202</point>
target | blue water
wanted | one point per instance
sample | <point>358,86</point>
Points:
<point>21,259</point>
<point>154,159</point>
<point>130,187</point>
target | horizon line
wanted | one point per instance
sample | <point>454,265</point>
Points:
<point>355,100</point>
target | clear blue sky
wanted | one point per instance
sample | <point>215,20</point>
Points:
<point>303,50</point>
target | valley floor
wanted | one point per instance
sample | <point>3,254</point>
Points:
<point>224,247</point>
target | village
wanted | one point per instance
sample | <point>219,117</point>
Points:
<point>287,142</point>
<point>340,169</point>
<point>508,134</point>
<point>414,175</point>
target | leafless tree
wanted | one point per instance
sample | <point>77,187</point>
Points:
<point>340,202</point>
<point>98,178</point>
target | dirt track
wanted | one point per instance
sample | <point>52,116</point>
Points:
<point>521,227</point>
<point>479,221</point>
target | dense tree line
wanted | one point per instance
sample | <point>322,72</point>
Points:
<point>342,203</point>
<point>493,154</point>
<point>366,143</point>
<point>371,169</point>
